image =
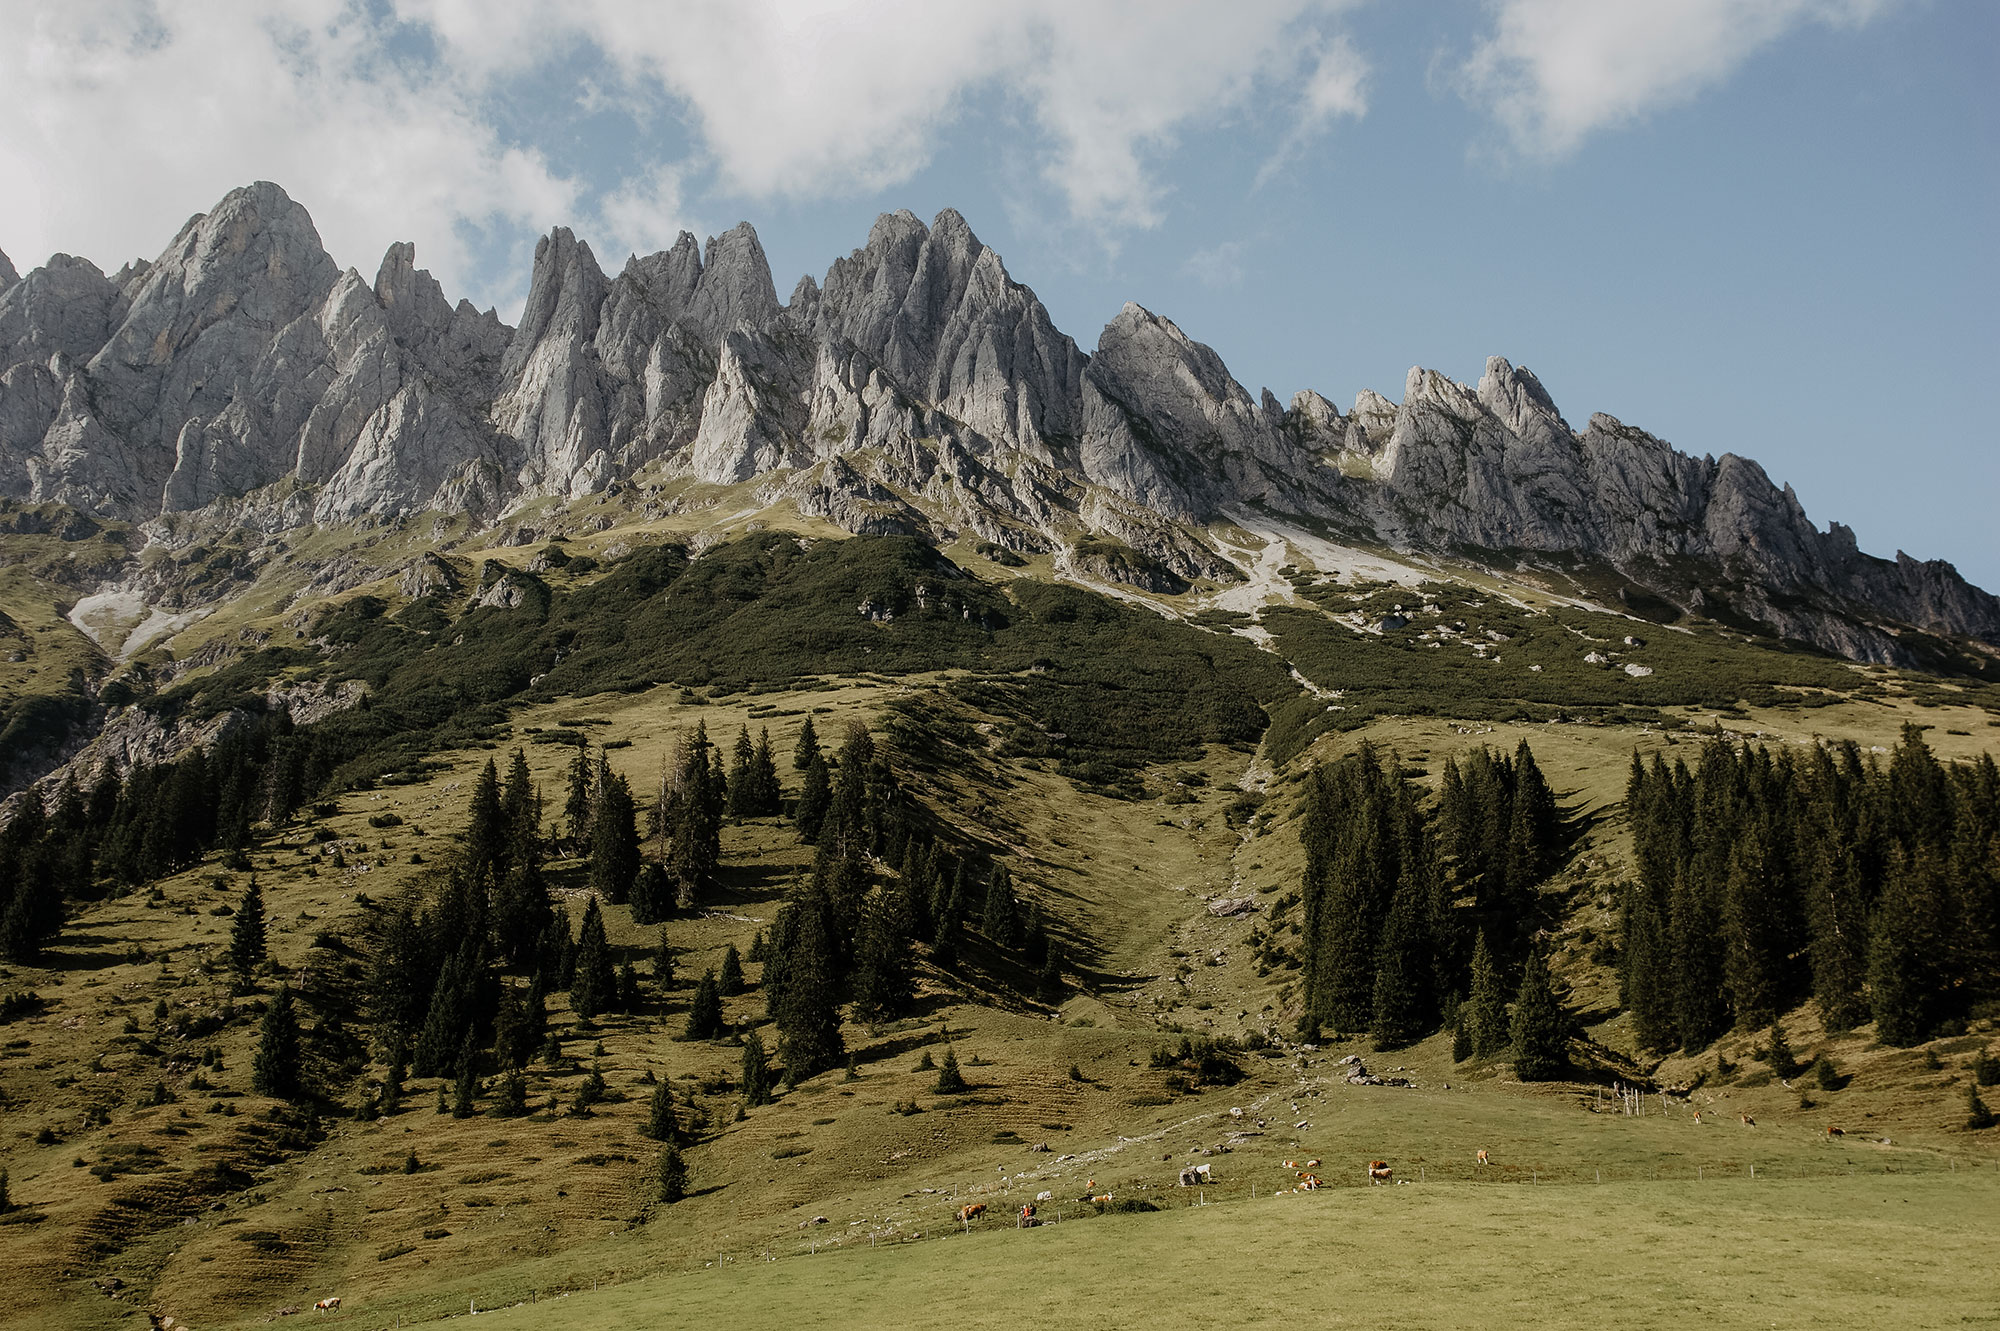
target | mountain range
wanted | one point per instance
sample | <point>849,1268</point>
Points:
<point>245,378</point>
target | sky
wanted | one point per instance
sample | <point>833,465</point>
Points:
<point>1765,227</point>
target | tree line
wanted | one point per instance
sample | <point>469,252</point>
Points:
<point>1764,878</point>
<point>1420,912</point>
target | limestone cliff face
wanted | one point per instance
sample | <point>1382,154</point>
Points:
<point>916,387</point>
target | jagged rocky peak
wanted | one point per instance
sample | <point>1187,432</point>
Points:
<point>65,307</point>
<point>8,277</point>
<point>938,311</point>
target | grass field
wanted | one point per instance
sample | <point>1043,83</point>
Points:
<point>1884,1251</point>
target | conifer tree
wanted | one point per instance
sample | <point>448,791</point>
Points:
<point>1484,1013</point>
<point>465,1084</point>
<point>521,809</point>
<point>767,796</point>
<point>1700,1004</point>
<point>277,1069</point>
<point>628,987</point>
<point>743,792</point>
<point>1049,983</point>
<point>704,1020</point>
<point>950,922</point>
<point>513,1043</point>
<point>805,1001</point>
<point>661,1123</point>
<point>652,894</point>
<point>756,1071</point>
<point>729,981</point>
<point>808,745</point>
<point>1540,1028</point>
<point>614,839</point>
<point>759,951</point>
<point>577,808</point>
<point>882,959</point>
<point>247,942</point>
<point>815,797</point>
<point>1000,919</point>
<point>594,986</point>
<point>950,1081</point>
<point>395,1061</point>
<point>521,910</point>
<point>1402,974</point>
<point>673,1175</point>
<point>486,833</point>
<point>692,803</point>
<point>512,1100</point>
<point>1904,987</point>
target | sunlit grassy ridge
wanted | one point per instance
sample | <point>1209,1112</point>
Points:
<point>996,726</point>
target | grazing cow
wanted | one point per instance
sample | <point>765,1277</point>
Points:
<point>1483,1162</point>
<point>1697,1118</point>
<point>327,1305</point>
<point>1379,1172</point>
<point>967,1214</point>
<point>1748,1121</point>
<point>1101,1199</point>
<point>1831,1133</point>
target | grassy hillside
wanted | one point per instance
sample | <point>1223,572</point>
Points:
<point>1118,760</point>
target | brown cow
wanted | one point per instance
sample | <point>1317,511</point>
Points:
<point>1748,1121</point>
<point>1482,1157</point>
<point>1102,1199</point>
<point>327,1305</point>
<point>1834,1132</point>
<point>967,1214</point>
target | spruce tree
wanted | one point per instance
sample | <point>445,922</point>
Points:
<point>577,808</point>
<point>1484,1013</point>
<point>1000,919</point>
<point>486,832</point>
<point>627,988</point>
<point>807,748</point>
<point>512,1100</point>
<point>652,894</point>
<point>882,959</point>
<point>277,1069</point>
<point>1049,983</point>
<point>729,981</point>
<point>595,985</point>
<point>950,1081</point>
<point>614,839</point>
<point>743,791</point>
<point>1540,1028</point>
<point>661,1123</point>
<point>704,1020</point>
<point>1402,974</point>
<point>247,940</point>
<point>815,797</point>
<point>756,1071</point>
<point>1701,1011</point>
<point>521,910</point>
<point>768,796</point>
<point>465,1084</point>
<point>805,1002</point>
<point>673,1175</point>
<point>1907,939</point>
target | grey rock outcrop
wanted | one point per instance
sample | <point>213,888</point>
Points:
<point>243,377</point>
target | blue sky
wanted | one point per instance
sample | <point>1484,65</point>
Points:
<point>1763,228</point>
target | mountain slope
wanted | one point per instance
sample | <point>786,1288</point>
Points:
<point>243,377</point>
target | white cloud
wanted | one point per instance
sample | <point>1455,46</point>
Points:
<point>805,98</point>
<point>642,215</point>
<point>1220,266</point>
<point>1555,71</point>
<point>125,117</point>
<point>1337,86</point>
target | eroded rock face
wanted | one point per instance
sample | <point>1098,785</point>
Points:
<point>243,377</point>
